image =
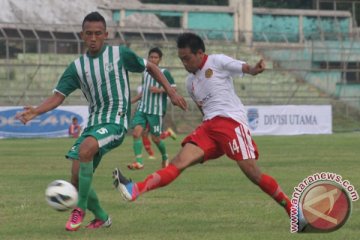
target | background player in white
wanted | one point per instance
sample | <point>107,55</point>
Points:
<point>224,128</point>
<point>101,74</point>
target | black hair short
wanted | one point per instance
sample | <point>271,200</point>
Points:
<point>156,50</point>
<point>190,40</point>
<point>94,17</point>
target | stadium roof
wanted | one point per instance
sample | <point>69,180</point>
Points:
<point>49,11</point>
<point>53,19</point>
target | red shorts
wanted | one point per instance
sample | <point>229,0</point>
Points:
<point>222,135</point>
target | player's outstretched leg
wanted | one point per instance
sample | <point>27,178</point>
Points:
<point>130,190</point>
<point>269,185</point>
<point>124,186</point>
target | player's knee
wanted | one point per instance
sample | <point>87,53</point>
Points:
<point>84,155</point>
<point>156,139</point>
<point>135,135</point>
<point>88,149</point>
<point>186,159</point>
<point>137,132</point>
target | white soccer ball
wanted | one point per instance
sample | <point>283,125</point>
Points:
<point>61,195</point>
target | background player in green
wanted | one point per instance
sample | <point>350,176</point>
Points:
<point>101,74</point>
<point>169,132</point>
<point>151,110</point>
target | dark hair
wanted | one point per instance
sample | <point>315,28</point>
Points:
<point>94,17</point>
<point>155,50</point>
<point>190,40</point>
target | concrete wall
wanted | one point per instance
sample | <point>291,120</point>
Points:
<point>240,21</point>
<point>297,26</point>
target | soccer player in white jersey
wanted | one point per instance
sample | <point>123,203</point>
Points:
<point>102,75</point>
<point>224,129</point>
<point>150,112</point>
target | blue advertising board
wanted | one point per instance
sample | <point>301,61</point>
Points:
<point>51,124</point>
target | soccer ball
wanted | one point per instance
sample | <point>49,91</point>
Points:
<point>61,195</point>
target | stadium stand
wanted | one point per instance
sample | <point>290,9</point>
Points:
<point>33,77</point>
<point>317,65</point>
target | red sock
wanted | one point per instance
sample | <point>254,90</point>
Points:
<point>271,187</point>
<point>158,179</point>
<point>147,145</point>
<point>165,134</point>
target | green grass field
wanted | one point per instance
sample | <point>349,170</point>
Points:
<point>210,201</point>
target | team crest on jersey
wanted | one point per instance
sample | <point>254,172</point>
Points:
<point>208,73</point>
<point>109,67</point>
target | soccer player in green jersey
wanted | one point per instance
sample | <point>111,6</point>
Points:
<point>102,75</point>
<point>150,111</point>
<point>169,132</point>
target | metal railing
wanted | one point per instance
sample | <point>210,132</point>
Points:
<point>30,67</point>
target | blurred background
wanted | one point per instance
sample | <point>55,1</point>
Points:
<point>311,48</point>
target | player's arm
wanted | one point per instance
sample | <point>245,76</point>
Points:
<point>170,79</point>
<point>155,72</point>
<point>135,64</point>
<point>254,70</point>
<point>139,92</point>
<point>238,67</point>
<point>159,90</point>
<point>49,104</point>
<point>136,98</point>
<point>67,84</point>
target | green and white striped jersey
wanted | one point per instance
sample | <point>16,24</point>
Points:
<point>154,103</point>
<point>104,81</point>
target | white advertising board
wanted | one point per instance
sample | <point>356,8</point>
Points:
<point>290,119</point>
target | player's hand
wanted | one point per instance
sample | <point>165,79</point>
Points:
<point>155,89</point>
<point>260,66</point>
<point>26,115</point>
<point>178,100</point>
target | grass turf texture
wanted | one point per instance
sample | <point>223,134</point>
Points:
<point>210,201</point>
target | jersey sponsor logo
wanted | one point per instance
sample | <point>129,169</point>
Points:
<point>208,73</point>
<point>204,100</point>
<point>51,124</point>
